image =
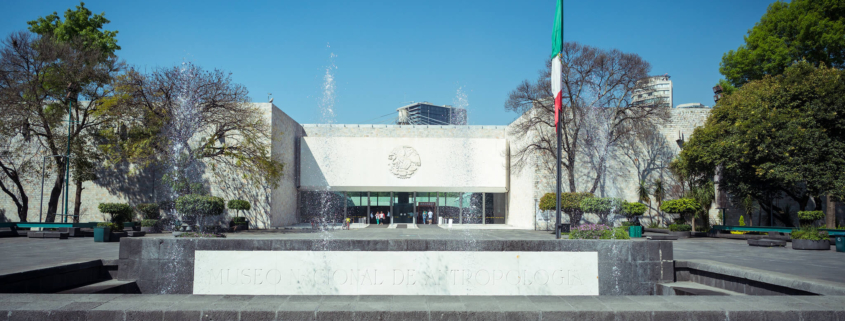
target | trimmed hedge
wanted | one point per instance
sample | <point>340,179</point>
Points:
<point>119,212</point>
<point>149,211</point>
<point>149,223</point>
<point>809,233</point>
<point>680,227</point>
<point>633,209</point>
<point>810,216</point>
<point>202,205</point>
<point>239,205</point>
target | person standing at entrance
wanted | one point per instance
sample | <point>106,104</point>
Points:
<point>378,217</point>
<point>430,217</point>
<point>388,218</point>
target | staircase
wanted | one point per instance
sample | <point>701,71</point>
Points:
<point>705,277</point>
<point>97,276</point>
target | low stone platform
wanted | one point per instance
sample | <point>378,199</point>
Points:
<point>767,243</point>
<point>663,237</point>
<point>105,307</point>
<point>166,265</point>
<point>47,235</point>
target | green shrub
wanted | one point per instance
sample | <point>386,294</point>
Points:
<point>809,233</point>
<point>601,206</point>
<point>119,212</point>
<point>201,205</point>
<point>680,227</point>
<point>808,217</point>
<point>632,209</point>
<point>741,220</point>
<point>114,227</point>
<point>239,205</point>
<point>547,202</point>
<point>627,224</point>
<point>149,223</point>
<point>148,211</point>
<point>570,204</point>
<point>598,232</point>
<point>239,220</point>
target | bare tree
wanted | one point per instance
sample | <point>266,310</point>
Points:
<point>41,78</point>
<point>18,163</point>
<point>597,110</point>
<point>190,118</point>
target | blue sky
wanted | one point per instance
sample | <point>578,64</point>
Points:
<point>389,53</point>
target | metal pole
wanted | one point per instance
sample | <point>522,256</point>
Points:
<point>67,159</point>
<point>557,134</point>
<point>41,208</point>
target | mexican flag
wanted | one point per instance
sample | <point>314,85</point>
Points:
<point>557,65</point>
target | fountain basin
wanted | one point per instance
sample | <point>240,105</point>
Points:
<point>623,267</point>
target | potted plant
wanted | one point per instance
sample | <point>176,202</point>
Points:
<point>810,238</point>
<point>102,232</point>
<point>119,213</point>
<point>239,223</point>
<point>809,217</point>
<point>149,226</point>
<point>684,207</point>
<point>196,205</point>
<point>633,211</point>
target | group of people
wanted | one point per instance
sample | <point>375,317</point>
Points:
<point>427,217</point>
<point>380,217</point>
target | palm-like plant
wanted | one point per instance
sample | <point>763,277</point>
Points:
<point>643,195</point>
<point>659,194</point>
<point>748,206</point>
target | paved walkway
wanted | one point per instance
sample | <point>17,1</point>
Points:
<point>18,254</point>
<point>822,265</point>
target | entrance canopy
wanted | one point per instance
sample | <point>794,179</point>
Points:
<point>403,164</point>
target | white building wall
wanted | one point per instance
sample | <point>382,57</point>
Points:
<point>363,164</point>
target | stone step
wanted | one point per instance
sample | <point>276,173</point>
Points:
<point>47,235</point>
<point>106,286</point>
<point>691,288</point>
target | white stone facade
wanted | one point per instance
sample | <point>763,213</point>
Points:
<point>357,158</point>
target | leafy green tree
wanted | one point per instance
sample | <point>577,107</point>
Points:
<point>78,24</point>
<point>601,206</point>
<point>570,203</point>
<point>685,207</point>
<point>780,136</point>
<point>631,210</point>
<point>239,205</point>
<point>812,30</point>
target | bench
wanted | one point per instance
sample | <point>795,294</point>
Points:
<point>765,229</point>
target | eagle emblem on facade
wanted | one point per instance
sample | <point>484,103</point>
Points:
<point>404,161</point>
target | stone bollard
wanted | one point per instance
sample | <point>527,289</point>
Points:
<point>439,221</point>
<point>450,223</point>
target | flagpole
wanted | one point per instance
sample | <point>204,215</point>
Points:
<point>557,133</point>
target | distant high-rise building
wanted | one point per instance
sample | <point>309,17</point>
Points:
<point>692,105</point>
<point>425,113</point>
<point>657,90</point>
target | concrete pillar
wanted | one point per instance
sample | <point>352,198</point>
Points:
<point>830,212</point>
<point>483,208</point>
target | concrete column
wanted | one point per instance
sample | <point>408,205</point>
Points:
<point>414,195</point>
<point>367,215</point>
<point>392,214</point>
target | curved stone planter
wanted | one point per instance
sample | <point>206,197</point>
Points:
<point>810,245</point>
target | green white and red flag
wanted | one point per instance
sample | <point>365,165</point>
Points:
<point>557,64</point>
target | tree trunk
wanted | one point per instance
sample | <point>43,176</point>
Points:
<point>693,222</point>
<point>55,197</point>
<point>77,203</point>
<point>830,212</point>
<point>22,204</point>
